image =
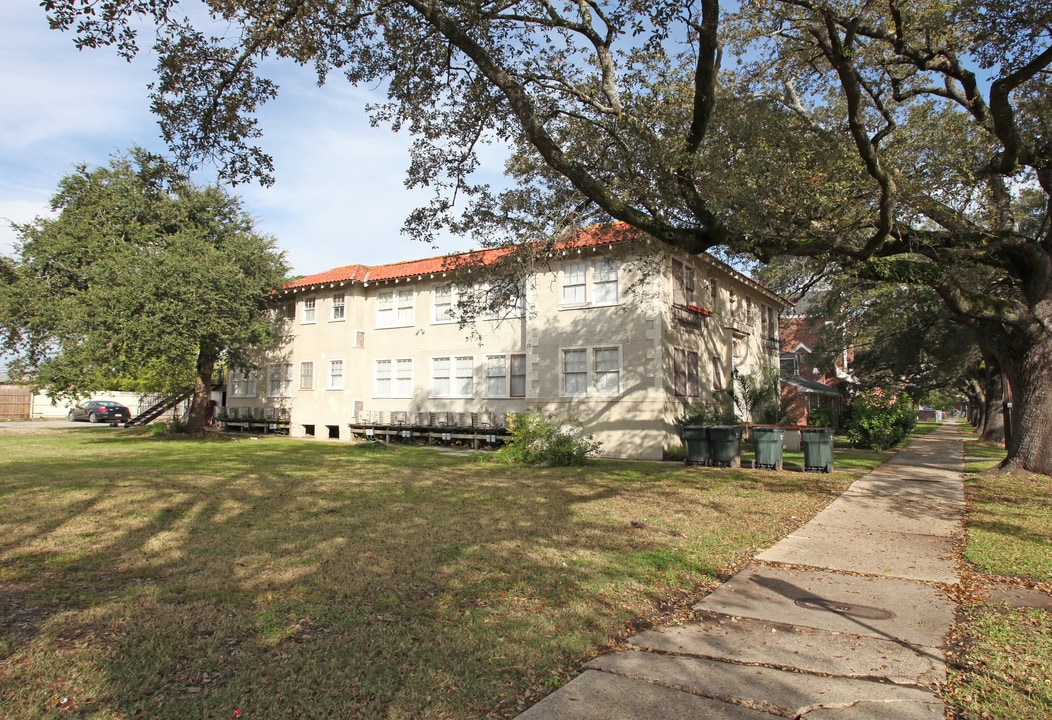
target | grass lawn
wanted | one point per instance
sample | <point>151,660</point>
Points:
<point>148,577</point>
<point>1002,654</point>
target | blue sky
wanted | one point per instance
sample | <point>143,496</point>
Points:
<point>339,196</point>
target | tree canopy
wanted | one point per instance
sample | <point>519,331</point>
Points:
<point>906,138</point>
<point>140,280</point>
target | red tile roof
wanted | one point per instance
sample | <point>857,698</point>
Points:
<point>588,237</point>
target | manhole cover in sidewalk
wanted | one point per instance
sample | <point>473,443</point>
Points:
<point>843,608</point>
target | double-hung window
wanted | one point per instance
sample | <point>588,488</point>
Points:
<point>506,375</point>
<point>443,303</point>
<point>306,376</point>
<point>242,383</point>
<point>308,310</point>
<point>591,371</point>
<point>453,376</point>
<point>682,284</point>
<point>685,372</point>
<point>575,283</point>
<point>394,308</point>
<point>336,374</point>
<point>279,380</point>
<point>339,307</point>
<point>604,282</point>
<point>393,377</point>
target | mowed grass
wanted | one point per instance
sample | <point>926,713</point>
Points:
<point>1003,657</point>
<point>145,577</point>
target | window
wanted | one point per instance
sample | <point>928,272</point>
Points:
<point>383,378</point>
<point>604,283</point>
<point>682,284</point>
<point>443,302</point>
<point>242,383</point>
<point>394,308</point>
<point>308,310</point>
<point>338,307</point>
<point>336,374</point>
<point>453,377</point>
<point>574,283</point>
<point>685,373</point>
<point>518,375</point>
<point>393,378</point>
<point>575,372</point>
<point>591,371</point>
<point>714,294</point>
<point>306,376</point>
<point>279,380</point>
<point>607,368</point>
<point>496,376</point>
<point>717,374</point>
<point>502,383</point>
<point>575,279</point>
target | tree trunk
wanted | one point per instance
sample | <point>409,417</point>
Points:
<point>993,428</point>
<point>202,397</point>
<point>1030,435</point>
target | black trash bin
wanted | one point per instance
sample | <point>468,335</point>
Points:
<point>818,449</point>
<point>696,440</point>
<point>767,442</point>
<point>725,444</point>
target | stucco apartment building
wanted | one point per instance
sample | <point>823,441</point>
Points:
<point>616,330</point>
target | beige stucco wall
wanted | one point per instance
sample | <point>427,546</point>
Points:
<point>636,422</point>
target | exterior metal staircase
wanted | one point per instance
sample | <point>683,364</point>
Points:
<point>160,407</point>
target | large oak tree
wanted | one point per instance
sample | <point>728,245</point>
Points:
<point>907,138</point>
<point>140,280</point>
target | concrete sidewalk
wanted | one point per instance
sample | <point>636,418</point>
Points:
<point>842,620</point>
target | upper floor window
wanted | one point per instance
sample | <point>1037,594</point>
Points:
<point>394,308</point>
<point>682,284</point>
<point>338,306</point>
<point>308,310</point>
<point>306,376</point>
<point>443,302</point>
<point>589,283</point>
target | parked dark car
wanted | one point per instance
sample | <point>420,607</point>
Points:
<point>99,411</point>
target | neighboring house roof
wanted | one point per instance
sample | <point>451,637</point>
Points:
<point>592,236</point>
<point>809,386</point>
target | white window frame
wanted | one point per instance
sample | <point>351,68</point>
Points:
<point>505,375</point>
<point>335,376</point>
<point>307,374</point>
<point>279,380</point>
<point>590,377</point>
<point>443,313</point>
<point>605,289</point>
<point>453,376</point>
<point>310,311</point>
<point>395,308</point>
<point>573,290</point>
<point>338,312</point>
<point>684,284</point>
<point>242,383</point>
<point>393,377</point>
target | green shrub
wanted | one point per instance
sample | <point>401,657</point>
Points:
<point>822,417</point>
<point>879,422</point>
<point>718,412</point>
<point>539,438</point>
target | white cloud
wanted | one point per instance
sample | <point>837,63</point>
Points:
<point>339,196</point>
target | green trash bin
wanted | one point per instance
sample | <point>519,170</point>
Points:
<point>725,444</point>
<point>696,440</point>
<point>818,449</point>
<point>767,442</point>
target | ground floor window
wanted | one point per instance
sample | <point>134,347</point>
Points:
<point>600,376</point>
<point>685,372</point>
<point>506,375</point>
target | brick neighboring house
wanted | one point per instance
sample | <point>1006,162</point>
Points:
<point>806,386</point>
<point>618,331</point>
